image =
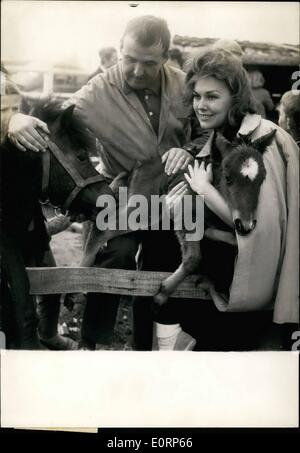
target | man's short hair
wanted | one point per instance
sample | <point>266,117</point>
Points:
<point>149,31</point>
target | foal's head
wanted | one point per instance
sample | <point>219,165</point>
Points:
<point>75,143</point>
<point>242,174</point>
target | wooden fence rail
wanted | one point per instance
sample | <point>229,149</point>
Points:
<point>61,280</point>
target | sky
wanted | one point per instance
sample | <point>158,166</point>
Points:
<point>73,31</point>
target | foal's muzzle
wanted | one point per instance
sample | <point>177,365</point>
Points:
<point>244,227</point>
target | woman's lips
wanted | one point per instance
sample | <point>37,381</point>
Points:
<point>203,116</point>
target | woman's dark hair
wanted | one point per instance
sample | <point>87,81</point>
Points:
<point>225,66</point>
<point>149,31</point>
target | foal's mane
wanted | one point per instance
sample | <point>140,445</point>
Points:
<point>47,108</point>
<point>50,108</point>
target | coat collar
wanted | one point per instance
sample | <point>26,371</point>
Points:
<point>115,76</point>
<point>250,122</point>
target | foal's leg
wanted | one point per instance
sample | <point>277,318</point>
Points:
<point>191,256</point>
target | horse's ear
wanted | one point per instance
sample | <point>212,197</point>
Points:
<point>66,117</point>
<point>263,142</point>
<point>244,138</point>
<point>223,145</point>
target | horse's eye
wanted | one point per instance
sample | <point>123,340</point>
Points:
<point>81,157</point>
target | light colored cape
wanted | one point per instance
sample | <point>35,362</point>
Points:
<point>266,271</point>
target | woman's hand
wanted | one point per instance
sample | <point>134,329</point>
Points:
<point>176,159</point>
<point>28,132</point>
<point>199,177</point>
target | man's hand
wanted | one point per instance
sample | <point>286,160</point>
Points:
<point>176,159</point>
<point>199,177</point>
<point>28,132</point>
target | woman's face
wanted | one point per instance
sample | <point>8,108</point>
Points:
<point>212,101</point>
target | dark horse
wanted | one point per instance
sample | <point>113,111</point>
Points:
<point>238,173</point>
<point>63,177</point>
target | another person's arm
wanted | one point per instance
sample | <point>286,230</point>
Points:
<point>200,181</point>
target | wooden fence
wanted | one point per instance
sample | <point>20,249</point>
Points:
<point>61,280</point>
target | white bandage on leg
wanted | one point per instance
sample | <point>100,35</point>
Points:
<point>167,335</point>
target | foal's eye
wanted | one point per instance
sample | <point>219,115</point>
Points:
<point>228,180</point>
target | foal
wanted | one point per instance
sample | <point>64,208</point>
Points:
<point>238,173</point>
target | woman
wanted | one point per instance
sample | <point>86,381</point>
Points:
<point>264,273</point>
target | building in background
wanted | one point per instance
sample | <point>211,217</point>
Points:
<point>277,63</point>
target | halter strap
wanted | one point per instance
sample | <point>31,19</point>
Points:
<point>79,181</point>
<point>45,172</point>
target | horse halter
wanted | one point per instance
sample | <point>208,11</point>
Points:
<point>79,181</point>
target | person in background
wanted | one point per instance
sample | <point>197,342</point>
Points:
<point>108,57</point>
<point>24,329</point>
<point>230,45</point>
<point>175,58</point>
<point>263,98</point>
<point>289,114</point>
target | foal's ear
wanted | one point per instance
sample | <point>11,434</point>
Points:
<point>223,145</point>
<point>262,142</point>
<point>66,117</point>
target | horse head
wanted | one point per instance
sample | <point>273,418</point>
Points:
<point>242,173</point>
<point>70,180</point>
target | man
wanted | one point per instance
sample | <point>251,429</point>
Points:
<point>108,57</point>
<point>136,111</point>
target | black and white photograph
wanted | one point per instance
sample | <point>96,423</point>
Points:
<point>149,214</point>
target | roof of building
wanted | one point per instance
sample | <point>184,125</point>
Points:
<point>256,53</point>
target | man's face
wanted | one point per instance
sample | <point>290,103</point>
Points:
<point>141,65</point>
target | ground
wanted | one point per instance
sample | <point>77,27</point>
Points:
<point>67,246</point>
